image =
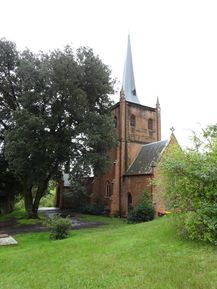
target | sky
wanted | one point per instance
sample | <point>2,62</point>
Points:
<point>174,48</point>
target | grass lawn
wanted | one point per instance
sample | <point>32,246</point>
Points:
<point>117,255</point>
<point>21,217</point>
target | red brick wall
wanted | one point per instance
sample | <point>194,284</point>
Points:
<point>130,140</point>
<point>136,186</point>
<point>140,133</point>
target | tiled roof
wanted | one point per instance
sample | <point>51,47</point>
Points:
<point>147,158</point>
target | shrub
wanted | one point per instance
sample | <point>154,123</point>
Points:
<point>59,227</point>
<point>76,200</point>
<point>143,211</point>
<point>190,179</point>
<point>201,224</point>
<point>96,208</point>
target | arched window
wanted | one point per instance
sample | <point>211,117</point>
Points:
<point>116,122</point>
<point>107,190</point>
<point>150,123</point>
<point>132,120</point>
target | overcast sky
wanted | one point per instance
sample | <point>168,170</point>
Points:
<point>173,42</point>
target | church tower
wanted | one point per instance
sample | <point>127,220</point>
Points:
<point>137,125</point>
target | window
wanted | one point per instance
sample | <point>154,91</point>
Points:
<point>108,190</point>
<point>150,123</point>
<point>132,120</point>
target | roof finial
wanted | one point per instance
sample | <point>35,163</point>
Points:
<point>128,77</point>
<point>172,129</point>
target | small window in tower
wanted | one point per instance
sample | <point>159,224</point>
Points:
<point>132,120</point>
<point>150,124</point>
<point>115,122</point>
<point>108,190</point>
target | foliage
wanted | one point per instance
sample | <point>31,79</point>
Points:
<point>76,199</point>
<point>95,207</point>
<point>201,224</point>
<point>10,187</point>
<point>59,227</point>
<point>54,109</point>
<point>143,211</point>
<point>191,181</point>
<point>48,200</point>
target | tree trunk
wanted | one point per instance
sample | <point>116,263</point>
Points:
<point>33,214</point>
<point>31,205</point>
<point>7,204</point>
<point>28,201</point>
<point>40,193</point>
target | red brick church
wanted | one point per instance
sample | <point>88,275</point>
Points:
<point>136,159</point>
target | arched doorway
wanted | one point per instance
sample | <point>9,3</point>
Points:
<point>129,201</point>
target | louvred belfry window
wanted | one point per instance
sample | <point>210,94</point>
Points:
<point>150,124</point>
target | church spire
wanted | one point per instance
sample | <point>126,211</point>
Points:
<point>129,87</point>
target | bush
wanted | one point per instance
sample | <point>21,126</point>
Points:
<point>96,208</point>
<point>143,211</point>
<point>201,224</point>
<point>59,227</point>
<point>75,200</point>
<point>190,179</point>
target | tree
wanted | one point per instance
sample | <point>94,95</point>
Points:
<point>9,187</point>
<point>191,184</point>
<point>55,107</point>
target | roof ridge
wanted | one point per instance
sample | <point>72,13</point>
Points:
<point>154,142</point>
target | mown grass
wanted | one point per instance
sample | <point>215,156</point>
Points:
<point>21,217</point>
<point>117,255</point>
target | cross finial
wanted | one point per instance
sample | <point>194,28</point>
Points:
<point>172,129</point>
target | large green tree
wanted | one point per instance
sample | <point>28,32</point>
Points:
<point>54,107</point>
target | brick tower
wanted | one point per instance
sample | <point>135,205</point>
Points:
<point>137,125</point>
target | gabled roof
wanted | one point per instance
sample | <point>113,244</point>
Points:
<point>147,158</point>
<point>129,87</point>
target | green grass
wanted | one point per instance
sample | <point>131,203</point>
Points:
<point>21,217</point>
<point>115,256</point>
<point>17,214</point>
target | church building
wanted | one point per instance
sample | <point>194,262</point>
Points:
<point>135,161</point>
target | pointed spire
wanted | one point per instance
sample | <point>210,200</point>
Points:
<point>128,77</point>
<point>158,103</point>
